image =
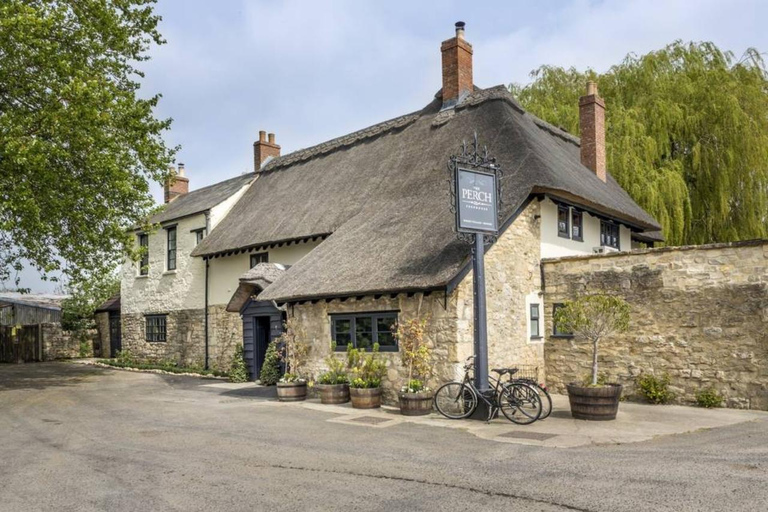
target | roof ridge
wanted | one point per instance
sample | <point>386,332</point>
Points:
<point>349,139</point>
<point>239,176</point>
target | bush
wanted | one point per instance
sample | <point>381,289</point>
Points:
<point>270,370</point>
<point>167,366</point>
<point>337,369</point>
<point>709,398</point>
<point>238,371</point>
<point>367,368</point>
<point>655,389</point>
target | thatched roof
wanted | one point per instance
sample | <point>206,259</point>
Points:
<point>202,199</point>
<point>253,282</point>
<point>383,193</point>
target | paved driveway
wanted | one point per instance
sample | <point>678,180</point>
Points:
<point>84,438</point>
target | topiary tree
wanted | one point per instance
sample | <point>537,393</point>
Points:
<point>592,318</point>
<point>270,369</point>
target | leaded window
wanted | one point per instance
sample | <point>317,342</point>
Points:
<point>577,231</point>
<point>562,222</point>
<point>535,315</point>
<point>171,261</point>
<point>155,328</point>
<point>363,330</point>
<point>259,257</point>
<point>609,234</point>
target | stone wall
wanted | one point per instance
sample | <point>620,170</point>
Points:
<point>61,344</point>
<point>699,314</point>
<point>512,274</point>
<point>185,337</point>
<point>102,346</point>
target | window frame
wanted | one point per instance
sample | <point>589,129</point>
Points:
<point>555,333</point>
<point>580,214</point>
<point>159,331</point>
<point>536,319</point>
<point>170,253</point>
<point>264,256</point>
<point>567,232</point>
<point>605,227</point>
<point>144,261</point>
<point>199,235</point>
<point>374,316</point>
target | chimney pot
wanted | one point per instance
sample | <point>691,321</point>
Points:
<point>271,138</point>
<point>592,127</point>
<point>177,185</point>
<point>460,29</point>
<point>181,169</point>
<point>262,136</point>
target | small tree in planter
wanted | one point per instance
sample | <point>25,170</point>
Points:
<point>415,397</point>
<point>333,384</point>
<point>294,350</point>
<point>367,370</point>
<point>593,318</point>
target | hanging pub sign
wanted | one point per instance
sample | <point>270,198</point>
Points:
<point>476,201</point>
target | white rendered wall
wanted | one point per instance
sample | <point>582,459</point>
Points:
<point>554,246</point>
<point>224,273</point>
<point>162,290</point>
<point>221,210</point>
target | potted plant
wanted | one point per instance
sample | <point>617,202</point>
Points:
<point>593,318</point>
<point>294,350</point>
<point>367,370</point>
<point>333,384</point>
<point>415,397</point>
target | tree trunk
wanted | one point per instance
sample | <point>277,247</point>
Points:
<point>594,361</point>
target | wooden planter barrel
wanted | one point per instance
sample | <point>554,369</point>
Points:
<point>291,391</point>
<point>415,404</point>
<point>599,403</point>
<point>365,398</point>
<point>333,393</point>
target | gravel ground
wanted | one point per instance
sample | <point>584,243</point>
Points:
<point>85,438</point>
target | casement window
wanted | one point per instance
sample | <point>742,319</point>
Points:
<point>361,331</point>
<point>144,262</point>
<point>577,229</point>
<point>199,235</point>
<point>557,330</point>
<point>563,221</point>
<point>155,328</point>
<point>609,234</point>
<point>535,321</point>
<point>171,259</point>
<point>259,257</point>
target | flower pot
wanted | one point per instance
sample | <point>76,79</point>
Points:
<point>598,403</point>
<point>365,398</point>
<point>415,404</point>
<point>291,391</point>
<point>333,393</point>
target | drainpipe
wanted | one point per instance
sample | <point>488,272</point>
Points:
<point>206,313</point>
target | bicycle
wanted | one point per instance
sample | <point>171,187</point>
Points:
<point>519,402</point>
<point>541,389</point>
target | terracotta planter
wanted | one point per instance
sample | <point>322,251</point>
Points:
<point>415,404</point>
<point>291,391</point>
<point>333,393</point>
<point>599,403</point>
<point>365,398</point>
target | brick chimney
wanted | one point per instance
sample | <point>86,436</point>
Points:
<point>264,148</point>
<point>457,67</point>
<point>592,127</point>
<point>176,186</point>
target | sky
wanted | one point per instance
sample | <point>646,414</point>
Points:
<point>313,70</point>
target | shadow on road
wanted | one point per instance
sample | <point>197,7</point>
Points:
<point>44,375</point>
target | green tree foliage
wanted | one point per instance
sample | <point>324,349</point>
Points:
<point>238,371</point>
<point>687,135</point>
<point>78,146</point>
<point>593,318</point>
<point>77,310</point>
<point>270,370</point>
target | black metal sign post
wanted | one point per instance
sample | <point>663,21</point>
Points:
<point>475,189</point>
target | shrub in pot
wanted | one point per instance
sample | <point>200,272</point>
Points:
<point>415,397</point>
<point>333,384</point>
<point>592,318</point>
<point>367,370</point>
<point>294,350</point>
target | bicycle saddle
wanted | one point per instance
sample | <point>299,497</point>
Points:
<point>503,371</point>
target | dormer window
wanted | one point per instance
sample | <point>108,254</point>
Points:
<point>259,257</point>
<point>563,222</point>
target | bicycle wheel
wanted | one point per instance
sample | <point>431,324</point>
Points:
<point>520,403</point>
<point>546,402</point>
<point>455,400</point>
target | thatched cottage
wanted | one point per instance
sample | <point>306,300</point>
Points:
<point>356,232</point>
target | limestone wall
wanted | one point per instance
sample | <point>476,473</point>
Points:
<point>102,328</point>
<point>699,314</point>
<point>61,344</point>
<point>185,337</point>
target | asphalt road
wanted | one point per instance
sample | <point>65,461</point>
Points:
<point>82,438</point>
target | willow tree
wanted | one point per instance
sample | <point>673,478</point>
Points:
<point>78,144</point>
<point>687,135</point>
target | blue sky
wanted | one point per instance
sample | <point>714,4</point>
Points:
<point>313,70</point>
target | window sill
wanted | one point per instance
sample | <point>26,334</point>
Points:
<point>537,338</point>
<point>563,235</point>
<point>579,239</point>
<point>149,341</point>
<point>167,272</point>
<point>390,350</point>
<point>562,336</point>
<point>145,276</point>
